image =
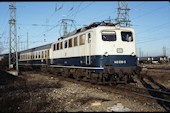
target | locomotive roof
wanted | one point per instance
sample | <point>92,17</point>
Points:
<point>93,25</point>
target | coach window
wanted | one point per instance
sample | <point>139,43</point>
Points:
<point>75,41</point>
<point>32,56</point>
<point>42,54</point>
<point>127,36</point>
<point>48,53</point>
<point>24,57</point>
<point>82,39</point>
<point>65,44</point>
<point>36,55</point>
<point>28,56</point>
<point>108,36</point>
<point>45,54</point>
<point>70,42</point>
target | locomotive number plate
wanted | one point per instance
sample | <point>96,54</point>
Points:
<point>120,61</point>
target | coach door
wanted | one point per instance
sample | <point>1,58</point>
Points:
<point>88,49</point>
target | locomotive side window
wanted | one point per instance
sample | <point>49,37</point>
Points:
<point>57,46</point>
<point>61,45</point>
<point>75,41</point>
<point>65,44</point>
<point>108,36</point>
<point>70,42</point>
<point>127,36</point>
<point>89,37</point>
<point>82,39</point>
<point>54,47</point>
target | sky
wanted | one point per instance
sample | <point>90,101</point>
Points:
<point>41,22</point>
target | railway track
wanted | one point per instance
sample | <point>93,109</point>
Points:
<point>145,92</point>
<point>148,92</point>
<point>142,94</point>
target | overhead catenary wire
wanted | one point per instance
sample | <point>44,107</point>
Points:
<point>167,37</point>
<point>154,10</point>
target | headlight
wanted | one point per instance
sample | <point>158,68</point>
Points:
<point>133,54</point>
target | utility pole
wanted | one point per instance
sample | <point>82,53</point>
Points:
<point>140,53</point>
<point>13,54</point>
<point>64,27</point>
<point>164,51</point>
<point>27,40</point>
<point>123,14</point>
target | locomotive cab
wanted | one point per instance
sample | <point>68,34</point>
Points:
<point>117,47</point>
<point>117,51</point>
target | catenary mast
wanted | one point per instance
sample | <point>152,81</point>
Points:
<point>13,54</point>
<point>123,14</point>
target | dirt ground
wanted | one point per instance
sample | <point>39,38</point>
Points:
<point>33,92</point>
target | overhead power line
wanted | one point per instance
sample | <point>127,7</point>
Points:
<point>150,12</point>
<point>35,24</point>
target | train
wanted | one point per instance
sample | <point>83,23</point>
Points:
<point>99,53</point>
<point>153,60</point>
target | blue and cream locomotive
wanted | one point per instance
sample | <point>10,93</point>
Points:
<point>100,52</point>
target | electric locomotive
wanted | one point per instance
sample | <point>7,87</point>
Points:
<point>101,53</point>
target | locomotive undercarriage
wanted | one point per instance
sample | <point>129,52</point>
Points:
<point>109,75</point>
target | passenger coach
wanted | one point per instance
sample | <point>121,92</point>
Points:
<point>35,57</point>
